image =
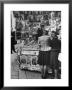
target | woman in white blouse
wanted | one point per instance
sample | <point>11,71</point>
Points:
<point>44,53</point>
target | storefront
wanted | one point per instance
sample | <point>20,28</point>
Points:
<point>25,25</point>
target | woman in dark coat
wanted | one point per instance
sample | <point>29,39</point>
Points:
<point>55,50</point>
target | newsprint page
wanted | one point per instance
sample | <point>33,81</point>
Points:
<point>35,44</point>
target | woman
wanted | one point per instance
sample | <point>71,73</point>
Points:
<point>13,42</point>
<point>44,53</point>
<point>56,46</point>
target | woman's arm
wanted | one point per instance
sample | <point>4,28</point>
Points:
<point>49,42</point>
<point>39,43</point>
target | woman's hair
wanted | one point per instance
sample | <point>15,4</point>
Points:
<point>55,33</point>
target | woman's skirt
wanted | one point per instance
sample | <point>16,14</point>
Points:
<point>44,58</point>
<point>54,59</point>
